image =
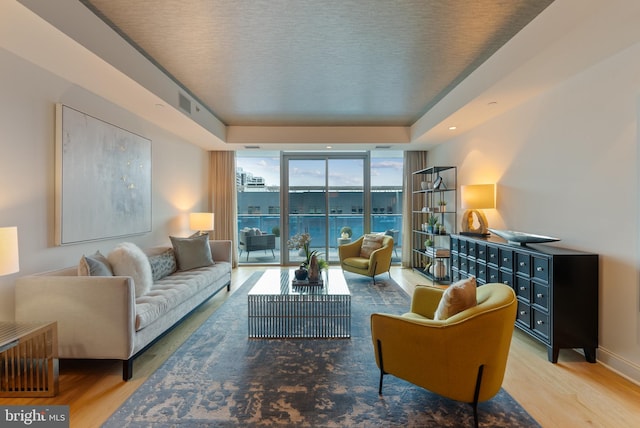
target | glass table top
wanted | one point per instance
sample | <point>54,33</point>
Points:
<point>280,282</point>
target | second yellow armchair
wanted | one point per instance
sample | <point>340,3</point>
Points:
<point>379,261</point>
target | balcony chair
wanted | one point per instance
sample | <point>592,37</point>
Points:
<point>254,240</point>
<point>369,255</point>
<point>462,357</point>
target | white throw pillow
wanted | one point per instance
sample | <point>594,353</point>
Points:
<point>127,259</point>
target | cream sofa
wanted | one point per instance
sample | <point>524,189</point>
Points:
<point>100,317</point>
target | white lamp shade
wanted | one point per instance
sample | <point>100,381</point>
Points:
<point>9,260</point>
<point>201,221</point>
<point>478,196</point>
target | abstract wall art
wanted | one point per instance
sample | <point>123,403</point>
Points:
<point>103,179</point>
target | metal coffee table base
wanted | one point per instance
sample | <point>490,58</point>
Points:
<point>299,312</point>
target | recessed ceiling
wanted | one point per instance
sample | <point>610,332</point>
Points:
<point>311,63</point>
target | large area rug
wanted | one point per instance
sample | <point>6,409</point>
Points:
<point>219,377</point>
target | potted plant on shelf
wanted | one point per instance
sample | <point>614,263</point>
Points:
<point>431,224</point>
<point>443,205</point>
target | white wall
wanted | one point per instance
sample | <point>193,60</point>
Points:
<point>566,165</point>
<point>27,139</point>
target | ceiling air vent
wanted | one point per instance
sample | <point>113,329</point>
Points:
<point>383,147</point>
<point>184,102</point>
<point>251,147</point>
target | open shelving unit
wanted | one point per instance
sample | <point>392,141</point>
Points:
<point>434,196</point>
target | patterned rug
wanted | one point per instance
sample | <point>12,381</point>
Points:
<point>219,377</point>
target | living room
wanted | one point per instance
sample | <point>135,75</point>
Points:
<point>561,141</point>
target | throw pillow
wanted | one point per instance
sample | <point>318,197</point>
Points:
<point>127,259</point>
<point>162,264</point>
<point>370,244</point>
<point>192,253</point>
<point>94,265</point>
<point>456,298</point>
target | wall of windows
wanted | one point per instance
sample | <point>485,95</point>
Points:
<point>322,193</point>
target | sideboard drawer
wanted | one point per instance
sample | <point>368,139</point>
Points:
<point>541,323</point>
<point>524,314</point>
<point>523,264</point>
<point>493,255</point>
<point>523,288</point>
<point>506,259</point>
<point>541,295</point>
<point>541,268</point>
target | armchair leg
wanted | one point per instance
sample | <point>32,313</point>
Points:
<point>382,373</point>
<point>476,395</point>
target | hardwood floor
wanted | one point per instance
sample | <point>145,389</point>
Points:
<point>571,393</point>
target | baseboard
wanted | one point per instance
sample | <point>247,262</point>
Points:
<point>619,365</point>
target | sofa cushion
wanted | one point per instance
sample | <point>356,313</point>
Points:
<point>370,243</point>
<point>94,265</point>
<point>456,298</point>
<point>192,253</point>
<point>162,264</point>
<point>127,259</point>
<point>172,290</point>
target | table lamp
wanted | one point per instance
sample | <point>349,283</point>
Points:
<point>9,260</point>
<point>476,197</point>
<point>201,222</point>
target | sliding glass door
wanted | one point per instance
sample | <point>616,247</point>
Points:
<point>285,193</point>
<point>324,195</point>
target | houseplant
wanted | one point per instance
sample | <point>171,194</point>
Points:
<point>346,232</point>
<point>431,224</point>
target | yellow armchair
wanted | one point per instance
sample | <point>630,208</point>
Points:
<point>378,262</point>
<point>462,358</point>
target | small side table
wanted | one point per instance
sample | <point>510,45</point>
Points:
<point>28,359</point>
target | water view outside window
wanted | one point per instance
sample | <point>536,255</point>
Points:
<point>322,196</point>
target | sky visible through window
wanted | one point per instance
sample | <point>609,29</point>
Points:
<point>385,171</point>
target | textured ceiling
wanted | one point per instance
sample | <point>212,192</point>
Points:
<point>318,63</point>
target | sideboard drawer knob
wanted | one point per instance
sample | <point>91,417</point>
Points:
<point>523,312</point>
<point>539,295</point>
<point>539,322</point>
<point>540,269</point>
<point>522,264</point>
<point>522,288</point>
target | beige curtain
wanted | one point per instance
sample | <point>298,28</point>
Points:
<point>224,198</point>
<point>413,161</point>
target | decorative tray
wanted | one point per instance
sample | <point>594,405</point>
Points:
<point>306,283</point>
<point>522,238</point>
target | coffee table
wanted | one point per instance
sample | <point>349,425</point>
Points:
<point>278,309</point>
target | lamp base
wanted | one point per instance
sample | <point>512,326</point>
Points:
<point>467,225</point>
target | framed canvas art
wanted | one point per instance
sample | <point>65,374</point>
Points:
<point>103,179</point>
